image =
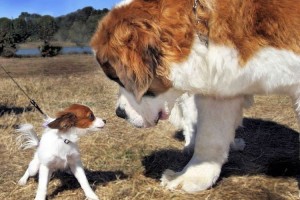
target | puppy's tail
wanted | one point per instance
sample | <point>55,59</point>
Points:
<point>28,137</point>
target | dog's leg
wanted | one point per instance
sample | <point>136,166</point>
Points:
<point>215,132</point>
<point>44,173</point>
<point>189,121</point>
<point>32,170</point>
<point>296,101</point>
<point>78,172</point>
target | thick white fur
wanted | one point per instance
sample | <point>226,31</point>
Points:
<point>53,153</point>
<point>215,133</point>
<point>214,73</point>
<point>123,3</point>
<point>184,115</point>
<point>219,75</point>
<point>217,72</point>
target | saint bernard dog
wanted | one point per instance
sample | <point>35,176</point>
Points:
<point>221,50</point>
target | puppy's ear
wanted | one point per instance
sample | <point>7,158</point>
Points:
<point>64,121</point>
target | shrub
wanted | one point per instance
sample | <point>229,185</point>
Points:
<point>47,50</point>
<point>8,47</point>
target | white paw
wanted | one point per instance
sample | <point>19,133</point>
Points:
<point>193,178</point>
<point>40,196</point>
<point>92,196</point>
<point>22,181</point>
<point>238,144</point>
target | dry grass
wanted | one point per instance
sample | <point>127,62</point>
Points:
<point>123,162</point>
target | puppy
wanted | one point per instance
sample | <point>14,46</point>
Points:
<point>57,148</point>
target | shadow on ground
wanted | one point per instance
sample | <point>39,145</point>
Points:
<point>69,182</point>
<point>271,149</point>
<point>14,110</point>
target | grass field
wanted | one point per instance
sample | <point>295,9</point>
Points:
<point>123,162</point>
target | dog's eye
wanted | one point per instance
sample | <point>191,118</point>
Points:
<point>149,94</point>
<point>91,117</point>
<point>105,65</point>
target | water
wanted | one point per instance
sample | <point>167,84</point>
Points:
<point>64,50</point>
<point>68,50</point>
<point>28,52</point>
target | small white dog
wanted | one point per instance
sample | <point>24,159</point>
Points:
<point>57,148</point>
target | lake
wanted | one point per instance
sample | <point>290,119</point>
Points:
<point>64,50</point>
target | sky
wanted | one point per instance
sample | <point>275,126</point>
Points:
<point>13,8</point>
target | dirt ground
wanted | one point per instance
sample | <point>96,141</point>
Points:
<point>123,162</point>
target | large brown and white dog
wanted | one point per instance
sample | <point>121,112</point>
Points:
<point>219,49</point>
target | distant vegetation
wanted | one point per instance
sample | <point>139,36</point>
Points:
<point>76,27</point>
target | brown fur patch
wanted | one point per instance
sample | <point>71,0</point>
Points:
<point>141,39</point>
<point>64,122</point>
<point>250,25</point>
<point>75,116</point>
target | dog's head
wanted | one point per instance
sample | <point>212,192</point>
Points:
<point>128,52</point>
<point>77,116</point>
<point>135,45</point>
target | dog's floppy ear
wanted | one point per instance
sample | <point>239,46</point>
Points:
<point>128,50</point>
<point>138,77</point>
<point>64,121</point>
<point>142,58</point>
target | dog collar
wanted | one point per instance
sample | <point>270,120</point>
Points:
<point>203,39</point>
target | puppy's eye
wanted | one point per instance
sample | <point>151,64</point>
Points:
<point>91,117</point>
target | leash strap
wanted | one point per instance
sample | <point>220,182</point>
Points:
<point>31,100</point>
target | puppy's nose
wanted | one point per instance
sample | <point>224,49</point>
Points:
<point>104,121</point>
<point>121,113</point>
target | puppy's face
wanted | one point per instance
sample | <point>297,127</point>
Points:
<point>78,116</point>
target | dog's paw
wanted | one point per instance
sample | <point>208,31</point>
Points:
<point>22,181</point>
<point>193,178</point>
<point>92,197</point>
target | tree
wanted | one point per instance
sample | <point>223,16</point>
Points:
<point>78,33</point>
<point>20,30</point>
<point>8,47</point>
<point>5,25</point>
<point>47,27</point>
<point>7,38</point>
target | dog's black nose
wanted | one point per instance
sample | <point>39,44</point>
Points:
<point>104,121</point>
<point>121,113</point>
